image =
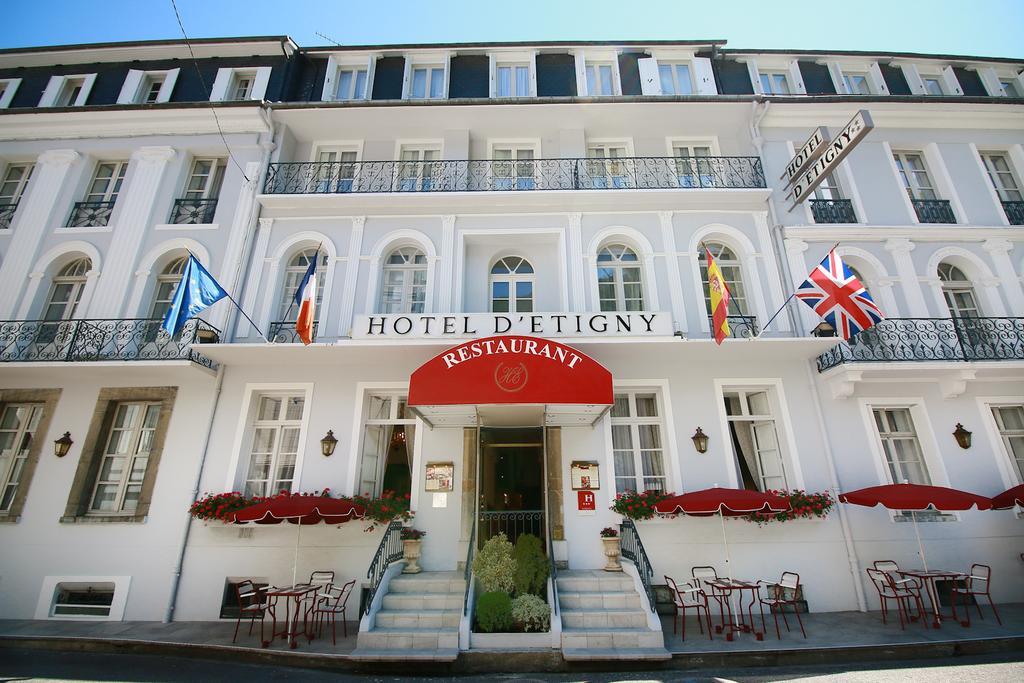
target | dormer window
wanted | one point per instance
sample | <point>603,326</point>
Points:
<point>351,84</point>
<point>675,78</point>
<point>600,78</point>
<point>857,83</point>
<point>241,86</point>
<point>775,83</point>
<point>932,86</point>
<point>70,92</point>
<point>1010,88</point>
<point>427,83</point>
<point>151,88</point>
<point>513,80</point>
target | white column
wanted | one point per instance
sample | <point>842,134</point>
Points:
<point>137,200</point>
<point>771,272</point>
<point>230,272</point>
<point>797,265</point>
<point>999,251</point>
<point>675,283</point>
<point>577,263</point>
<point>252,285</point>
<point>993,305</point>
<point>35,217</point>
<point>900,250</point>
<point>445,265</point>
<point>348,295</point>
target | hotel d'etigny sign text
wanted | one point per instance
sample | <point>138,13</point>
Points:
<point>463,325</point>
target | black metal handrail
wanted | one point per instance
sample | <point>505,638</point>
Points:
<point>102,340</point>
<point>193,211</point>
<point>632,549</point>
<point>497,175</point>
<point>934,211</point>
<point>931,339</point>
<point>467,571</point>
<point>554,566</point>
<point>7,215</point>
<point>389,550</point>
<point>90,214</point>
<point>1014,212</point>
<point>833,211</point>
<point>283,332</point>
<point>740,326</point>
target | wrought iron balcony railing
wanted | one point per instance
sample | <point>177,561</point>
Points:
<point>934,211</point>
<point>7,215</point>
<point>1014,212</point>
<point>494,175</point>
<point>101,340</point>
<point>931,339</point>
<point>91,214</point>
<point>740,326</point>
<point>833,211</point>
<point>283,332</point>
<point>193,211</point>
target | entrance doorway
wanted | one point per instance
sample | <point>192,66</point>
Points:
<point>511,489</point>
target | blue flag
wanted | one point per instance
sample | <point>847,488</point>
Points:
<point>196,291</point>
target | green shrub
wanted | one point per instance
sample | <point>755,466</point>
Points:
<point>532,568</point>
<point>494,566</point>
<point>531,612</point>
<point>494,612</point>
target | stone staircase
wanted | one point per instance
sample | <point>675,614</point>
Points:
<point>418,619</point>
<point>603,617</point>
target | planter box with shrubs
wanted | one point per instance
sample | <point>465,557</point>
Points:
<point>512,584</point>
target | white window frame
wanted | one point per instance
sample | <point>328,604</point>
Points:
<point>48,595</point>
<point>78,283</point>
<point>428,61</point>
<point>225,84</point>
<point>740,272</point>
<point>135,430</point>
<point>113,190</point>
<point>925,436</point>
<point>512,279</point>
<point>746,417</point>
<point>403,146</point>
<point>596,63</point>
<point>55,89</point>
<point>617,281</point>
<point>329,179</point>
<point>994,176</point>
<point>634,422</point>
<point>673,64</point>
<point>908,180</point>
<point>626,144</point>
<point>1017,468</point>
<point>134,89</point>
<point>22,183</point>
<point>408,276</point>
<point>512,59</point>
<point>864,76</point>
<point>514,147</point>
<point>431,73</point>
<point>1007,472</point>
<point>238,469</point>
<point>288,289</point>
<point>364,420</point>
<point>158,307</point>
<point>353,93</point>
<point>346,62</point>
<point>18,455</point>
<point>10,88</point>
<point>513,80</point>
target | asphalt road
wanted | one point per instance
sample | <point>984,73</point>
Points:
<point>44,665</point>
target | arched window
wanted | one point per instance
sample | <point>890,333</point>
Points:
<point>66,290</point>
<point>512,286</point>
<point>619,285</point>
<point>166,283</point>
<point>958,291</point>
<point>404,287</point>
<point>287,311</point>
<point>732,271</point>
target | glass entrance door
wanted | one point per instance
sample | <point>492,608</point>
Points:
<point>511,483</point>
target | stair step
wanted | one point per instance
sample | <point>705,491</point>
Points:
<point>626,653</point>
<point>395,638</point>
<point>432,583</point>
<point>595,582</point>
<point>603,618</point>
<point>447,654</point>
<point>598,600</point>
<point>608,638</point>
<point>422,601</point>
<point>421,619</point>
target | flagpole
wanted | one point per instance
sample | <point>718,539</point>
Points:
<point>786,302</point>
<point>237,305</point>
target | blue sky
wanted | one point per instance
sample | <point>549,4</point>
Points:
<point>969,27</point>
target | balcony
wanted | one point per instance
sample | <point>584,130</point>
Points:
<point>492,175</point>
<point>26,341</point>
<point>933,210</point>
<point>283,332</point>
<point>931,339</point>
<point>740,326</point>
<point>7,215</point>
<point>833,211</point>
<point>193,211</point>
<point>1014,212</point>
<point>91,214</point>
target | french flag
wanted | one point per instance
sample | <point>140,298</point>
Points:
<point>305,298</point>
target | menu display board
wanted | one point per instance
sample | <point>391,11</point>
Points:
<point>585,475</point>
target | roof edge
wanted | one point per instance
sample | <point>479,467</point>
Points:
<point>145,43</point>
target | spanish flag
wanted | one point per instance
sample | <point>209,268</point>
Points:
<point>719,294</point>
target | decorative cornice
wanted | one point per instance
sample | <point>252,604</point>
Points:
<point>899,244</point>
<point>795,246</point>
<point>997,246</point>
<point>58,157</point>
<point>154,155</point>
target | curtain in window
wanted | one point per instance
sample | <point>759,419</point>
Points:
<point>522,81</point>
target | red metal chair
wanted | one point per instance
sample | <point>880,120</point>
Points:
<point>706,573</point>
<point>253,604</point>
<point>902,593</point>
<point>331,607</point>
<point>977,583</point>
<point>779,594</point>
<point>688,597</point>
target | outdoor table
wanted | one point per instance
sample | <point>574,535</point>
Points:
<point>293,596</point>
<point>928,578</point>
<point>725,587</point>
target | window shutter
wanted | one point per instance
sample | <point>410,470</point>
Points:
<point>131,87</point>
<point>259,85</point>
<point>12,87</point>
<point>878,84</point>
<point>704,76</point>
<point>83,96</point>
<point>328,94</point>
<point>650,81</point>
<point>407,80</point>
<point>581,74</point>
<point>220,85</point>
<point>755,77</point>
<point>950,81</point>
<point>168,86</point>
<point>493,75</point>
<point>836,73</point>
<point>533,74</point>
<point>796,78</point>
<point>913,77</point>
<point>990,80</point>
<point>52,91</point>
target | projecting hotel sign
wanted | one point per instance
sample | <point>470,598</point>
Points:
<point>820,156</point>
<point>641,324</point>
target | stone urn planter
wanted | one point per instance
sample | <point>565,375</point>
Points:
<point>612,551</point>
<point>411,548</point>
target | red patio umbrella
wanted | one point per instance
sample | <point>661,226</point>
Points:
<point>1009,498</point>
<point>301,510</point>
<point>916,497</point>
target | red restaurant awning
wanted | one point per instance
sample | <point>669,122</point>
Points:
<point>510,370</point>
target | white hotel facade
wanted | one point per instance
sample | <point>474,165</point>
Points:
<point>565,188</point>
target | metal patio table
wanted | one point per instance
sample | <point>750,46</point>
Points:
<point>725,587</point>
<point>928,577</point>
<point>293,597</point>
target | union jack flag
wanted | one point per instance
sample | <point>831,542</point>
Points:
<point>839,297</point>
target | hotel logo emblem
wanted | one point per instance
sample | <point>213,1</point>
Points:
<point>510,378</point>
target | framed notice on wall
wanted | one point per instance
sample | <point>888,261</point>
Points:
<point>440,476</point>
<point>584,475</point>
